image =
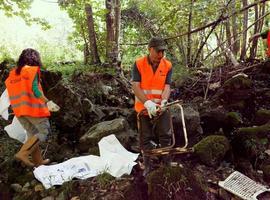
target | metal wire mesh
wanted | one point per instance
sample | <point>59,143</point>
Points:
<point>242,186</point>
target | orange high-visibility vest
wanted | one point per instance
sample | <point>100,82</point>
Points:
<point>21,96</point>
<point>268,44</point>
<point>152,83</point>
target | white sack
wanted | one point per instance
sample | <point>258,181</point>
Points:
<point>16,131</point>
<point>114,159</point>
<point>81,167</point>
<point>4,104</point>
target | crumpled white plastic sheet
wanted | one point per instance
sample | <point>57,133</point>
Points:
<point>4,104</point>
<point>113,159</point>
<point>15,129</point>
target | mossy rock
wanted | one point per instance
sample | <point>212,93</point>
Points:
<point>257,131</point>
<point>236,83</point>
<point>175,183</point>
<point>212,120</point>
<point>233,119</point>
<point>251,142</point>
<point>262,116</point>
<point>212,149</point>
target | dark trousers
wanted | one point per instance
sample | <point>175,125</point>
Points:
<point>155,131</point>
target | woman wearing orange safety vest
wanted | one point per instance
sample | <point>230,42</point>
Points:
<point>151,79</point>
<point>30,105</point>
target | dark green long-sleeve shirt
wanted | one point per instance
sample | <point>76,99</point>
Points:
<point>35,88</point>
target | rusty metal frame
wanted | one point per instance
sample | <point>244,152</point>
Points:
<point>169,149</point>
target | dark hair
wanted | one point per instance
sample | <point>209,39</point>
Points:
<point>28,57</point>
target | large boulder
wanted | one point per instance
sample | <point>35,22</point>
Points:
<point>262,116</point>
<point>192,122</point>
<point>212,149</point>
<point>251,142</point>
<point>212,119</point>
<point>237,93</point>
<point>175,183</point>
<point>119,127</point>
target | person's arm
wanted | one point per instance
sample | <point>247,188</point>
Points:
<point>166,92</point>
<point>138,91</point>
<point>136,84</point>
<point>36,91</point>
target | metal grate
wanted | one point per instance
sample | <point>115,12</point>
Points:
<point>242,186</point>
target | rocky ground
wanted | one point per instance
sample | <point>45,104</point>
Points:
<point>227,113</point>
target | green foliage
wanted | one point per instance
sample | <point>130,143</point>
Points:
<point>76,11</point>
<point>56,53</point>
<point>5,53</point>
<point>233,119</point>
<point>104,179</point>
<point>180,73</point>
<point>20,8</point>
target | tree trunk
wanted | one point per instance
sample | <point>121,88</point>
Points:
<point>257,28</point>
<point>189,41</point>
<point>228,53</point>
<point>86,51</point>
<point>113,22</point>
<point>235,47</point>
<point>181,48</point>
<point>92,35</point>
<point>228,32</point>
<point>262,12</point>
<point>245,25</point>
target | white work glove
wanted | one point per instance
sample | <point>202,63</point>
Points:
<point>164,103</point>
<point>151,107</point>
<point>53,107</point>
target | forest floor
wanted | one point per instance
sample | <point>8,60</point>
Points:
<point>207,89</point>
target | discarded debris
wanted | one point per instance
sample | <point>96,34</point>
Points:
<point>242,186</point>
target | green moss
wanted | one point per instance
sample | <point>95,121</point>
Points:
<point>212,149</point>
<point>255,131</point>
<point>263,112</point>
<point>171,182</point>
<point>251,142</point>
<point>262,116</point>
<point>239,82</point>
<point>104,179</point>
<point>233,119</point>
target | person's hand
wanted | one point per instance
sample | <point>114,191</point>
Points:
<point>53,107</point>
<point>164,103</point>
<point>151,107</point>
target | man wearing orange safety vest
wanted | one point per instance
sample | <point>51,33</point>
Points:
<point>151,79</point>
<point>266,36</point>
<point>30,105</point>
